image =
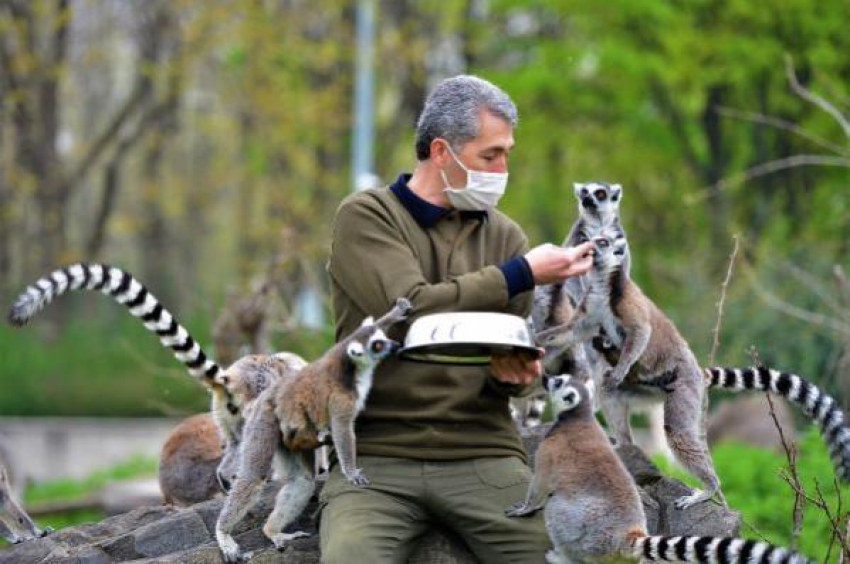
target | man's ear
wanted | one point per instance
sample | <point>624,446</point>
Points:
<point>439,153</point>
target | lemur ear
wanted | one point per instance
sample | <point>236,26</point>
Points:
<point>354,349</point>
<point>577,186</point>
<point>368,321</point>
<point>616,191</point>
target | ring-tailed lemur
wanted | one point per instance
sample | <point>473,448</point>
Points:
<point>295,416</point>
<point>592,508</point>
<point>554,304</point>
<point>15,524</point>
<point>194,465</point>
<point>651,350</point>
<point>598,210</point>
<point>243,383</point>
<point>644,335</point>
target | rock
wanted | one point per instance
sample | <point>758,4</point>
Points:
<point>186,535</point>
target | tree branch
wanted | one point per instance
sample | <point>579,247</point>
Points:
<point>809,96</point>
<point>791,310</point>
<point>770,167</point>
<point>716,333</point>
<point>782,125</point>
<point>108,134</point>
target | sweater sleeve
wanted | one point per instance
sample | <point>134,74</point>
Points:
<point>374,265</point>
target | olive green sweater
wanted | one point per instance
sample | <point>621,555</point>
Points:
<point>380,252</point>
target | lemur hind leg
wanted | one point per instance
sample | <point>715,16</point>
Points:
<point>683,423</point>
<point>260,444</point>
<point>298,486</point>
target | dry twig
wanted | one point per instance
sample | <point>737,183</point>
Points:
<point>720,303</point>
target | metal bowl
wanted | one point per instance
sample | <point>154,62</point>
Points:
<point>466,337</point>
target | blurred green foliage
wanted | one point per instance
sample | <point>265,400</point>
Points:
<point>105,363</point>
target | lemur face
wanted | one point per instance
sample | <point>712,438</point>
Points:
<point>609,250</point>
<point>566,392</point>
<point>598,199</point>
<point>376,348</point>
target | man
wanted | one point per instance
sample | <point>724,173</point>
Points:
<point>437,441</point>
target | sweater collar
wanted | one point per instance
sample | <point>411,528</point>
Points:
<point>425,213</point>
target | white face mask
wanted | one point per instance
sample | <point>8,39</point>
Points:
<point>483,189</point>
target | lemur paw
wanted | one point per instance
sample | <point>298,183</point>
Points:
<point>687,501</point>
<point>46,531</point>
<point>280,540</point>
<point>520,509</point>
<point>229,548</point>
<point>610,381</point>
<point>357,478</point>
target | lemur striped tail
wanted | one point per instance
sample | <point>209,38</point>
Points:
<point>814,403</point>
<point>716,550</point>
<point>122,286</point>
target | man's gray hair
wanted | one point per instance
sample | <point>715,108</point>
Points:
<point>452,112</point>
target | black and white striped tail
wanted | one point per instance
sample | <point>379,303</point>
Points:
<point>716,550</point>
<point>814,402</point>
<point>122,286</point>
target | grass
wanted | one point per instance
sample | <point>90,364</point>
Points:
<point>752,483</point>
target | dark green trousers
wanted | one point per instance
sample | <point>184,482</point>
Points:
<point>383,522</point>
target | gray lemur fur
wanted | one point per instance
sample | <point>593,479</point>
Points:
<point>297,414</point>
<point>15,524</point>
<point>592,508</point>
<point>554,304</point>
<point>194,465</point>
<point>646,337</point>
<point>228,400</point>
<point>653,363</point>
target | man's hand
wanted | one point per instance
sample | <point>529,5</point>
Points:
<point>550,263</point>
<point>518,368</point>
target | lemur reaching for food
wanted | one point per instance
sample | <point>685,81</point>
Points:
<point>243,382</point>
<point>592,508</point>
<point>651,351</point>
<point>296,415</point>
<point>554,304</point>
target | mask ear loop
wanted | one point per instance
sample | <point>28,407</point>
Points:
<point>460,164</point>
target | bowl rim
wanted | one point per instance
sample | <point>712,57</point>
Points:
<point>465,351</point>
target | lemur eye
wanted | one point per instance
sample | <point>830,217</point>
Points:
<point>378,346</point>
<point>600,195</point>
<point>225,380</point>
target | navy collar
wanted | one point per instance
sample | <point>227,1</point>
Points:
<point>425,213</point>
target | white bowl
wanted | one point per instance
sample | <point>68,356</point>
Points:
<point>468,337</point>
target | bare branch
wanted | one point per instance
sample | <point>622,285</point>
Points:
<point>716,334</point>
<point>785,163</point>
<point>782,125</point>
<point>108,134</point>
<point>809,96</point>
<point>793,476</point>
<point>814,285</point>
<point>791,310</point>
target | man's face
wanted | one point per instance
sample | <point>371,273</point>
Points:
<point>488,152</point>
